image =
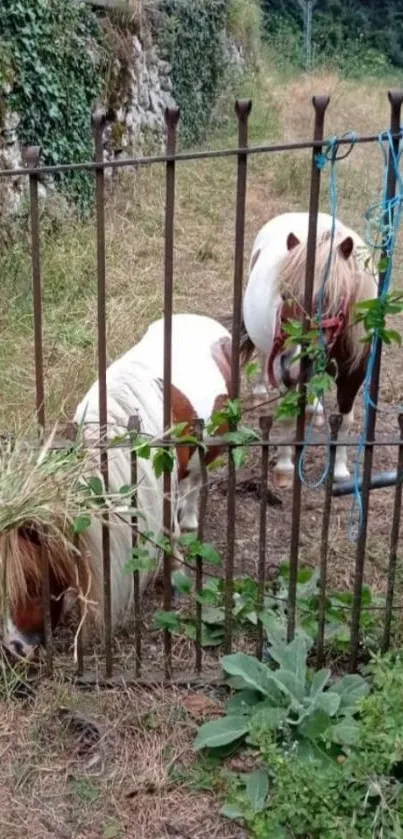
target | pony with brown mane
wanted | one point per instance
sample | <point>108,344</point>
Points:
<point>200,382</point>
<point>274,296</point>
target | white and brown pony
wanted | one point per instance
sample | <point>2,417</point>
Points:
<point>275,295</point>
<point>200,381</point>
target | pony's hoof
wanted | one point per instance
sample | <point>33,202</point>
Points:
<point>283,480</point>
<point>341,473</point>
<point>318,420</point>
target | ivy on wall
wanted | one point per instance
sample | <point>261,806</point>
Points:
<point>49,61</point>
<point>191,38</point>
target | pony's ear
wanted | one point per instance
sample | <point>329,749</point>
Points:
<point>346,247</point>
<point>292,241</point>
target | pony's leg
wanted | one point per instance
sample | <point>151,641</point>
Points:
<point>348,385</point>
<point>259,387</point>
<point>283,472</point>
<point>316,410</point>
<point>341,471</point>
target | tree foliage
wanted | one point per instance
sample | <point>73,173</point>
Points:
<point>375,24</point>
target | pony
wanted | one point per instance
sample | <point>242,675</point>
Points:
<point>201,368</point>
<point>274,294</point>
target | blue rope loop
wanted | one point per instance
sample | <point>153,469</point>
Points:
<point>382,225</point>
<point>334,150</point>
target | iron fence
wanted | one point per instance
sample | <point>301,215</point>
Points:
<point>170,160</point>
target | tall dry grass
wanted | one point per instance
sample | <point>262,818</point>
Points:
<point>204,238</point>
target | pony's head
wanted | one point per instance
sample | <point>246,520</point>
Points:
<point>348,280</point>
<point>22,553</point>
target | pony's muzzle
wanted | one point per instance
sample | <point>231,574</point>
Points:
<point>22,647</point>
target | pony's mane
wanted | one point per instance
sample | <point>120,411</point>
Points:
<point>21,565</point>
<point>351,278</point>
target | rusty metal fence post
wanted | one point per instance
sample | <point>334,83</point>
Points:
<point>335,423</point>
<point>171,119</point>
<point>320,104</point>
<point>394,541</point>
<point>31,157</point>
<point>133,429</point>
<point>265,428</point>
<point>98,125</point>
<point>199,426</point>
<point>396,100</point>
<point>243,108</point>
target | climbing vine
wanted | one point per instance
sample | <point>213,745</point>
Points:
<point>192,40</point>
<point>50,59</point>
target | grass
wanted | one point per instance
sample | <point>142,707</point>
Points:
<point>123,785</point>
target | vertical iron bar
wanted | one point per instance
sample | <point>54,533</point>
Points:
<point>171,119</point>
<point>335,423</point>
<point>47,616</point>
<point>243,108</point>
<point>396,100</point>
<point>98,123</point>
<point>265,427</point>
<point>320,104</point>
<point>80,650</point>
<point>134,429</point>
<point>199,426</point>
<point>394,541</point>
<point>31,157</point>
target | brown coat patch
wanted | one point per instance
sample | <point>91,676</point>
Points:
<point>182,411</point>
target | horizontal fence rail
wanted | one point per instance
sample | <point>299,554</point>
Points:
<point>267,437</point>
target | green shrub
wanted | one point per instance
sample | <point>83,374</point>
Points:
<point>50,57</point>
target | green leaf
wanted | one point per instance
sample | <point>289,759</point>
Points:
<point>96,486</point>
<point>208,552</point>
<point>81,524</point>
<point>264,715</point>
<point>346,732</point>
<point>257,787</point>
<point>142,449</point>
<point>163,461</point>
<point>351,689</point>
<point>328,702</point>
<point>167,620</point>
<point>231,811</point>
<point>221,732</point>
<point>252,369</point>
<point>141,560</point>
<point>315,725</point>
<point>213,614</point>
<point>243,702</point>
<point>249,670</point>
<point>319,681</point>
<point>238,456</point>
<point>181,582</point>
<point>292,658</point>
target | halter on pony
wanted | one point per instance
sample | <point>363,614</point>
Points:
<point>335,324</point>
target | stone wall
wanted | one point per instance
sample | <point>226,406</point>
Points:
<point>141,89</point>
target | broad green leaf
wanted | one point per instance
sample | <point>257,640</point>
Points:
<point>167,620</point>
<point>351,689</point>
<point>163,461</point>
<point>208,552</point>
<point>213,615</point>
<point>181,582</point>
<point>320,679</point>
<point>141,561</point>
<point>292,658</point>
<point>315,725</point>
<point>231,811</point>
<point>269,717</point>
<point>290,685</point>
<point>257,787</point>
<point>345,732</point>
<point>221,732</point>
<point>244,702</point>
<point>253,673</point>
<point>328,702</point>
<point>238,456</point>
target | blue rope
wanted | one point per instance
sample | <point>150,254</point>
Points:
<point>331,154</point>
<point>382,225</point>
